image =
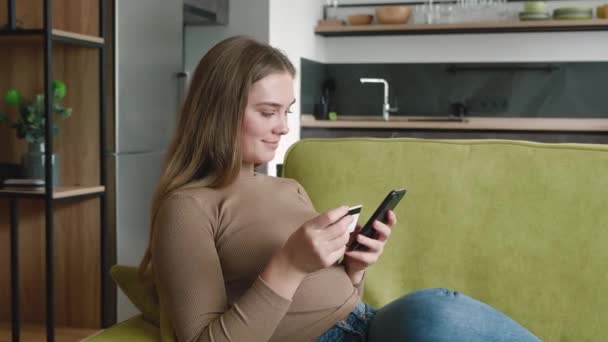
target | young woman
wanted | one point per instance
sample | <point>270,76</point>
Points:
<point>239,256</point>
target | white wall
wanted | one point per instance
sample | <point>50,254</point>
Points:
<point>292,31</point>
<point>507,47</point>
<point>499,47</point>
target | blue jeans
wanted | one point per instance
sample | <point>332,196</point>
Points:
<point>428,315</point>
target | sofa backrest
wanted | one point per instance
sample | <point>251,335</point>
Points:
<point>521,226</point>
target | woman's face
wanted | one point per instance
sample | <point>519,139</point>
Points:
<point>265,118</point>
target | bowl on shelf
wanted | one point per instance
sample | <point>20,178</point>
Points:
<point>393,14</point>
<point>535,7</point>
<point>534,16</point>
<point>573,13</point>
<point>360,19</point>
<point>602,12</point>
<point>535,10</point>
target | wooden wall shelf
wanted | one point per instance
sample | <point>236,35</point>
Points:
<point>34,36</point>
<point>471,123</point>
<point>60,192</point>
<point>480,27</point>
<point>37,332</point>
<point>81,16</point>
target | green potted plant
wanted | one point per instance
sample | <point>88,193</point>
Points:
<point>29,125</point>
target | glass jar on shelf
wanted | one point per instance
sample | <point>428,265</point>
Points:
<point>331,9</point>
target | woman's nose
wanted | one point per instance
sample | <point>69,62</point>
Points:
<point>282,126</point>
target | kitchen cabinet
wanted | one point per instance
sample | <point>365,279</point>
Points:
<point>205,12</point>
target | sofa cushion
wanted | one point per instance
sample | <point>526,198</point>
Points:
<point>521,226</point>
<point>142,294</point>
<point>135,329</point>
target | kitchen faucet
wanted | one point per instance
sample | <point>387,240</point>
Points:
<point>386,108</point>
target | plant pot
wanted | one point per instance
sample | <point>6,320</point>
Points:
<point>33,163</point>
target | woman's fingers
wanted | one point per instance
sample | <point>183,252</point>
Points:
<point>329,217</point>
<point>364,257</point>
<point>354,234</point>
<point>334,236</point>
<point>384,231</point>
<point>391,218</point>
<point>336,255</point>
<point>339,240</point>
<point>373,245</point>
<point>337,229</point>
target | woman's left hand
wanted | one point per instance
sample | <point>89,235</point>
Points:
<point>357,261</point>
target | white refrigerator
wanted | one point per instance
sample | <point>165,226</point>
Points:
<point>148,59</point>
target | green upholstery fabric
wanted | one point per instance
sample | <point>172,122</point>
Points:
<point>519,225</point>
<point>140,293</point>
<point>144,327</point>
<point>135,329</point>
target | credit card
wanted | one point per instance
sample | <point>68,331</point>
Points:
<point>354,212</point>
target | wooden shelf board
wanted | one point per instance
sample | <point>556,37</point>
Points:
<point>59,193</point>
<point>78,36</point>
<point>470,123</point>
<point>37,332</point>
<point>478,27</point>
<point>36,36</point>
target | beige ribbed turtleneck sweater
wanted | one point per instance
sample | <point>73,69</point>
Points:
<point>212,244</point>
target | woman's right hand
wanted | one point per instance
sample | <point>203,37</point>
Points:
<point>320,242</point>
<point>317,244</point>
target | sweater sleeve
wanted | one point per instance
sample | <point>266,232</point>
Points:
<point>189,277</point>
<point>303,194</point>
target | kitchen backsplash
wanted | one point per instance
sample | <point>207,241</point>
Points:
<point>568,89</point>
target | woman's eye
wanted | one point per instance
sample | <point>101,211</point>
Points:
<point>267,114</point>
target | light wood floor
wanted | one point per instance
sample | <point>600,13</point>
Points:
<point>37,333</point>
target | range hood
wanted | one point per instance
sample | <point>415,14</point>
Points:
<point>205,12</point>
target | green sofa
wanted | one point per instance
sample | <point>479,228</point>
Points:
<point>522,226</point>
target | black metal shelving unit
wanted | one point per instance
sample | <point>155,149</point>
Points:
<point>48,37</point>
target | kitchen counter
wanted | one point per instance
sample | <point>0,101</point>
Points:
<point>469,123</point>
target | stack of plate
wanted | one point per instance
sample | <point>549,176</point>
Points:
<point>535,10</point>
<point>573,13</point>
<point>534,16</point>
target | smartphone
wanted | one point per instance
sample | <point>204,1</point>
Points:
<point>389,203</point>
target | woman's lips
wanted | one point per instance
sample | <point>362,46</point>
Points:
<point>274,144</point>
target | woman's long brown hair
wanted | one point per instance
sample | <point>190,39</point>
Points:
<point>205,150</point>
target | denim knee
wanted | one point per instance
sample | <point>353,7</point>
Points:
<point>413,316</point>
<point>443,315</point>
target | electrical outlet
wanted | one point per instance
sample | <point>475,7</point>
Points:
<point>487,104</point>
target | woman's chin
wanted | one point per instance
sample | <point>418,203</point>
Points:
<point>260,159</point>
<point>265,160</point>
